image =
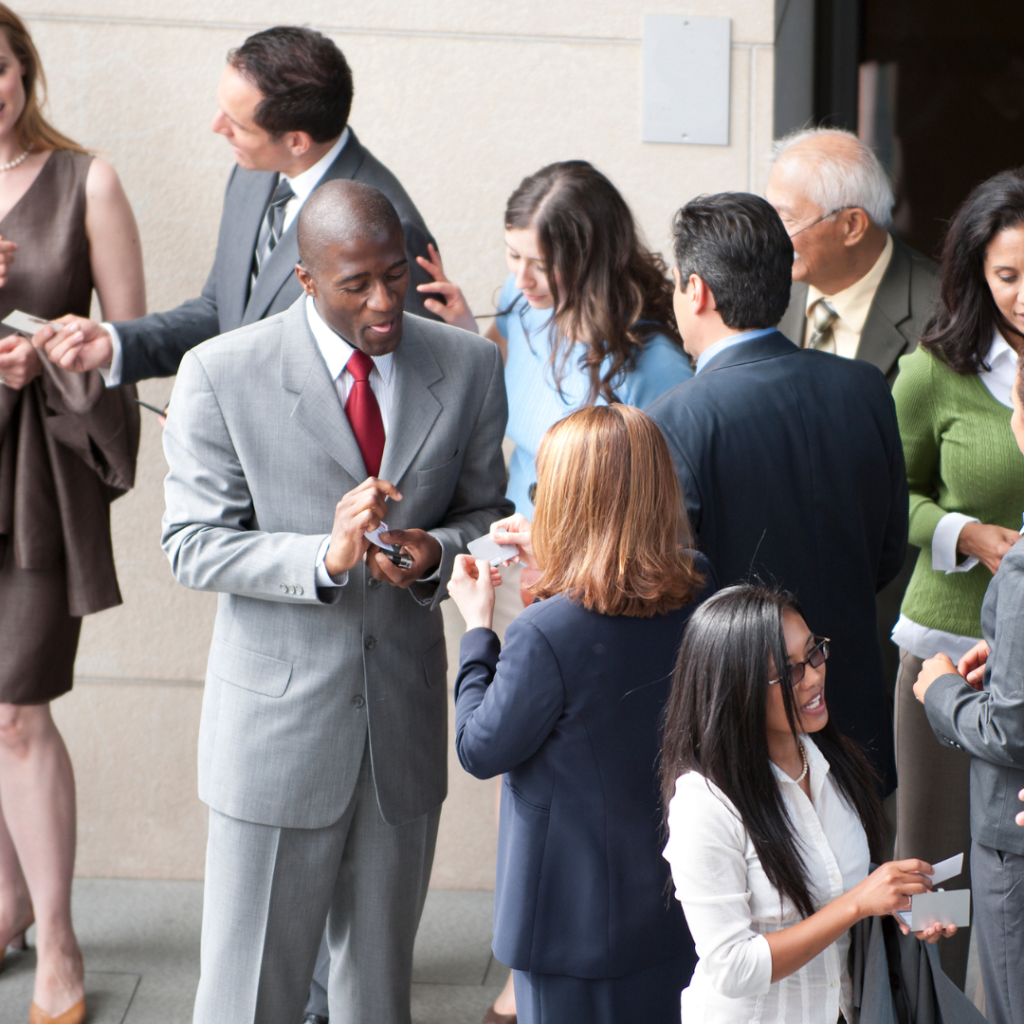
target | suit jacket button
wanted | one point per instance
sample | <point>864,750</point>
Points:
<point>373,583</point>
<point>298,590</point>
<point>357,701</point>
<point>369,643</point>
<point>283,588</point>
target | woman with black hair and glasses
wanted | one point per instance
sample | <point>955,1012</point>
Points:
<point>771,831</point>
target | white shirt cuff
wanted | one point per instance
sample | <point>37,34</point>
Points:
<point>323,577</point>
<point>112,375</point>
<point>944,541</point>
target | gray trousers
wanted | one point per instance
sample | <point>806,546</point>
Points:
<point>999,919</point>
<point>507,605</point>
<point>269,893</point>
<point>933,802</point>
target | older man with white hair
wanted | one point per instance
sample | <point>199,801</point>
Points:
<point>858,290</point>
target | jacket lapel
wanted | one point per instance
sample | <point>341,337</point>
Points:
<point>317,410</point>
<point>414,408</point>
<point>280,265</point>
<point>881,341</point>
<point>248,207</point>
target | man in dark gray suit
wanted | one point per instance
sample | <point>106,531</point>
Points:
<point>283,105</point>
<point>857,289</point>
<point>323,740</point>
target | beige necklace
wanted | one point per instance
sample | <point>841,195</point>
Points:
<point>11,164</point>
<point>803,757</point>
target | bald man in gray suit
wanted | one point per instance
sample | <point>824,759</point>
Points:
<point>323,741</point>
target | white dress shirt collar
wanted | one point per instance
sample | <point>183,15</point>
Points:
<point>733,339</point>
<point>337,351</point>
<point>999,378</point>
<point>304,183</point>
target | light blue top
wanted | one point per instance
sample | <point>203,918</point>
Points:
<point>534,402</point>
<point>734,339</point>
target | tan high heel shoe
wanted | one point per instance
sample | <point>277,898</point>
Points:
<point>72,1015</point>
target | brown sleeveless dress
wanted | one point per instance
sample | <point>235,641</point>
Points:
<point>67,449</point>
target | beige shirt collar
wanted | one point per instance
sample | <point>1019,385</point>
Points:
<point>853,304</point>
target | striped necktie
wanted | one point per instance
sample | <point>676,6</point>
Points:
<point>271,230</point>
<point>823,316</point>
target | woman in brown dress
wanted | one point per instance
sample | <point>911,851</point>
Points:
<point>67,449</point>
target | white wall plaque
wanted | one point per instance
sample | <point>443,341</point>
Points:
<point>686,79</point>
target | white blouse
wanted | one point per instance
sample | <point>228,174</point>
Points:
<point>730,905</point>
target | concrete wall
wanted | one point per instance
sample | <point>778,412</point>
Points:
<point>461,98</point>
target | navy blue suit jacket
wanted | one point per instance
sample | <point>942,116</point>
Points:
<point>571,714</point>
<point>792,470</point>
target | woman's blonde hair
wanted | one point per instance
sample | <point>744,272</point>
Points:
<point>34,130</point>
<point>610,528</point>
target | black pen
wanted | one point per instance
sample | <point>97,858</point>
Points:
<point>153,408</point>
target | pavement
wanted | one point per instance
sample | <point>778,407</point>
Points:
<point>140,942</point>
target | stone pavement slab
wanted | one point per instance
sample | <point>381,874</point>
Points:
<point>140,940</point>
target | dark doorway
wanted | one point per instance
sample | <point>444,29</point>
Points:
<point>940,97</point>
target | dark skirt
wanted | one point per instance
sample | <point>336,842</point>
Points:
<point>38,638</point>
<point>650,996</point>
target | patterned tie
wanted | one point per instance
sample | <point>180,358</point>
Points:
<point>363,412</point>
<point>273,222</point>
<point>823,316</point>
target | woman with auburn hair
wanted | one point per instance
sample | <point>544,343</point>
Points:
<point>67,449</point>
<point>585,317</point>
<point>773,817</point>
<point>569,711</point>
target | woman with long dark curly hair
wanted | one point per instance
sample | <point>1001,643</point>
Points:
<point>585,315</point>
<point>773,816</point>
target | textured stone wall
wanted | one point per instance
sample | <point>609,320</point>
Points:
<point>461,99</point>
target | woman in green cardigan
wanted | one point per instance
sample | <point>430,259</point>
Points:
<point>966,478</point>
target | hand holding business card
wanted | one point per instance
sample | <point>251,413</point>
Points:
<point>940,907</point>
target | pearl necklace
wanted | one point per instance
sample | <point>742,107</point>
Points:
<point>807,767</point>
<point>11,164</point>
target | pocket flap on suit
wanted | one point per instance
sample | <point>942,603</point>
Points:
<point>439,474</point>
<point>257,672</point>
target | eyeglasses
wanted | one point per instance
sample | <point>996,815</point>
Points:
<point>824,216</point>
<point>817,658</point>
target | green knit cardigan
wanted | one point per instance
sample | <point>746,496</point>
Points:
<point>961,457</point>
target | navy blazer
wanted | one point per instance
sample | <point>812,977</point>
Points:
<point>571,714</point>
<point>989,724</point>
<point>792,470</point>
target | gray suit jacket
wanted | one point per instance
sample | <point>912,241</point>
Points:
<point>989,724</point>
<point>260,451</point>
<point>897,979</point>
<point>153,345</point>
<point>897,315</point>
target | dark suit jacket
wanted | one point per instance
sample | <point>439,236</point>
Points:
<point>897,315</point>
<point>572,719</point>
<point>898,979</point>
<point>153,345</point>
<point>792,471</point>
<point>989,724</point>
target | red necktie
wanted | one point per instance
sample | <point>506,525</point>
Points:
<point>363,412</point>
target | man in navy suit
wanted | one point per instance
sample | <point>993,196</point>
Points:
<point>789,459</point>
